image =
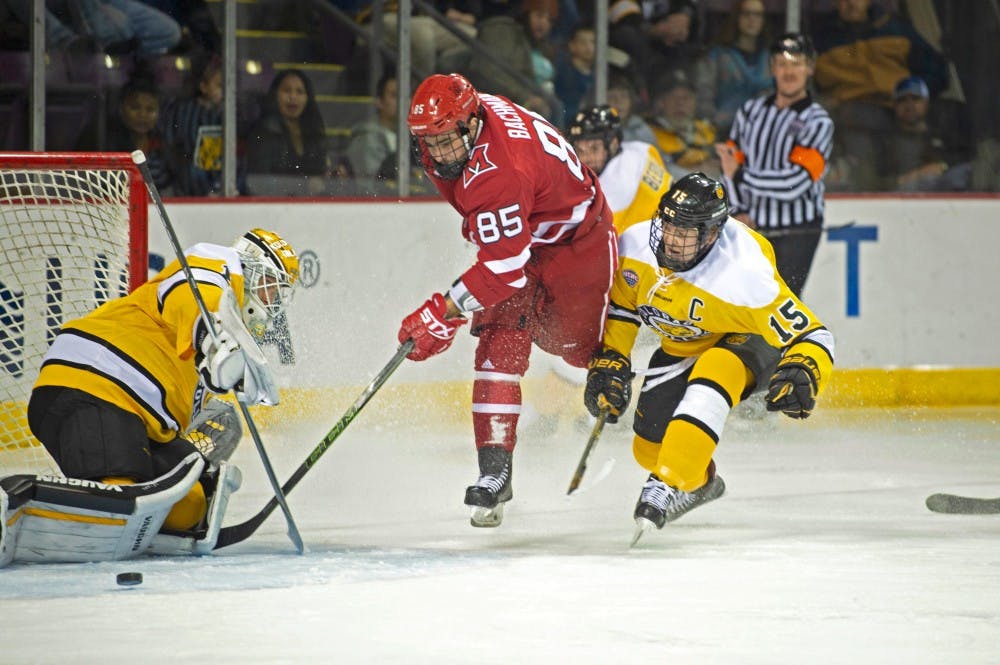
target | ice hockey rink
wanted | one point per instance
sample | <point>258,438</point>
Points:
<point>821,552</point>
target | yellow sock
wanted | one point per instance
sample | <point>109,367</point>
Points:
<point>187,512</point>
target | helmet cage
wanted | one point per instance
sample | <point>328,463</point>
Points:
<point>451,169</point>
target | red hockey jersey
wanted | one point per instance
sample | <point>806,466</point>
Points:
<point>524,188</point>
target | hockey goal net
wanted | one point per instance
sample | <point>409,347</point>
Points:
<point>72,236</point>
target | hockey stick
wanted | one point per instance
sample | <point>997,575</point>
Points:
<point>140,161</point>
<point>595,434</point>
<point>239,532</point>
<point>962,505</point>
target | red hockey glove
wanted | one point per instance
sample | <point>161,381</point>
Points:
<point>430,331</point>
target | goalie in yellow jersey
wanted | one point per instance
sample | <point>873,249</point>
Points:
<point>729,325</point>
<point>117,390</point>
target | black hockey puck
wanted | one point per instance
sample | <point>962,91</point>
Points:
<point>129,579</point>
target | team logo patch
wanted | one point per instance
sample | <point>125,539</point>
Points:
<point>630,277</point>
<point>668,326</point>
<point>737,339</point>
<point>479,163</point>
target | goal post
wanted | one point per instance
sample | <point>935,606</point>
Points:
<point>73,235</point>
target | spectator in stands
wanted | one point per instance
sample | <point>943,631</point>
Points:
<point>736,68</point>
<point>575,71</point>
<point>672,39</point>
<point>109,26</point>
<point>623,97</point>
<point>289,137</point>
<point>135,127</point>
<point>539,18</point>
<point>503,34</point>
<point>192,130</point>
<point>863,51</point>
<point>433,48</point>
<point>686,141</point>
<point>919,156</point>
<point>372,151</point>
<point>198,27</point>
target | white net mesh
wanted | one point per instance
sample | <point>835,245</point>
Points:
<point>64,249</point>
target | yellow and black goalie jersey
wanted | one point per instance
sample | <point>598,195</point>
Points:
<point>734,289</point>
<point>137,352</point>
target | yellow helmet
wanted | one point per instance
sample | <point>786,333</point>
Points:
<point>270,271</point>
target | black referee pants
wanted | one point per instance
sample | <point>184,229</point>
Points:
<point>794,249</point>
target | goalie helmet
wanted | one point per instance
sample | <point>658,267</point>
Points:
<point>270,270</point>
<point>442,104</point>
<point>695,202</point>
<point>598,122</point>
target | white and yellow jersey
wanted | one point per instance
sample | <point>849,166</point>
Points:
<point>137,352</point>
<point>734,289</point>
<point>634,181</point>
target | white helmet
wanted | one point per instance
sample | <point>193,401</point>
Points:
<point>270,270</point>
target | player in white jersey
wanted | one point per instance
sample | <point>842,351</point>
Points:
<point>729,326</point>
<point>631,173</point>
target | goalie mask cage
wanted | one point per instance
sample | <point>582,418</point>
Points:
<point>73,235</point>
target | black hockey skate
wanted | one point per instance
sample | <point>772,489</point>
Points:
<point>492,490</point>
<point>660,503</point>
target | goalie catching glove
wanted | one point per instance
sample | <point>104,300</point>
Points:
<point>793,386</point>
<point>609,384</point>
<point>430,329</point>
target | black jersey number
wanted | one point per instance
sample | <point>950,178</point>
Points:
<point>791,318</point>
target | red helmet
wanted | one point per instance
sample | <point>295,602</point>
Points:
<point>442,103</point>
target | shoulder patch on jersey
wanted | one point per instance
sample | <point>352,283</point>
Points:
<point>479,163</point>
<point>630,276</point>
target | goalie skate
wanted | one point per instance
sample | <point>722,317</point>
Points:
<point>493,489</point>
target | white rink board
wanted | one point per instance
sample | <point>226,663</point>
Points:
<point>922,286</point>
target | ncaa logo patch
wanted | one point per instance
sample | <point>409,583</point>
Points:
<point>630,276</point>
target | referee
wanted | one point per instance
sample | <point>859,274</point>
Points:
<point>774,160</point>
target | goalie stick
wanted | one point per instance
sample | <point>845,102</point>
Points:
<point>139,158</point>
<point>239,532</point>
<point>962,505</point>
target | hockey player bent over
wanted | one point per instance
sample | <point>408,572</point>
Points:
<point>729,327</point>
<point>546,255</point>
<point>119,386</point>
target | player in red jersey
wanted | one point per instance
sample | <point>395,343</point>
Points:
<point>546,255</point>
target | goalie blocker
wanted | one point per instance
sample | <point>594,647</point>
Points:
<point>52,519</point>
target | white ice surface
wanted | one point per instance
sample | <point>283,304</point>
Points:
<point>821,552</point>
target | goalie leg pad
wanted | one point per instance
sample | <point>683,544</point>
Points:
<point>55,519</point>
<point>228,481</point>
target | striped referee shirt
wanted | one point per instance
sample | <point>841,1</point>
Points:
<point>783,154</point>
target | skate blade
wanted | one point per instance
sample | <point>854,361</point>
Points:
<point>487,517</point>
<point>642,525</point>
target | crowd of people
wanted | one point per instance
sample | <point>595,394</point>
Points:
<point>677,76</point>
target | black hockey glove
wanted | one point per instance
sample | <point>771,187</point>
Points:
<point>609,383</point>
<point>792,389</point>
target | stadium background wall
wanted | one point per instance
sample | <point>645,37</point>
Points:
<point>906,285</point>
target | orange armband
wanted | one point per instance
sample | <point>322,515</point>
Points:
<point>808,158</point>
